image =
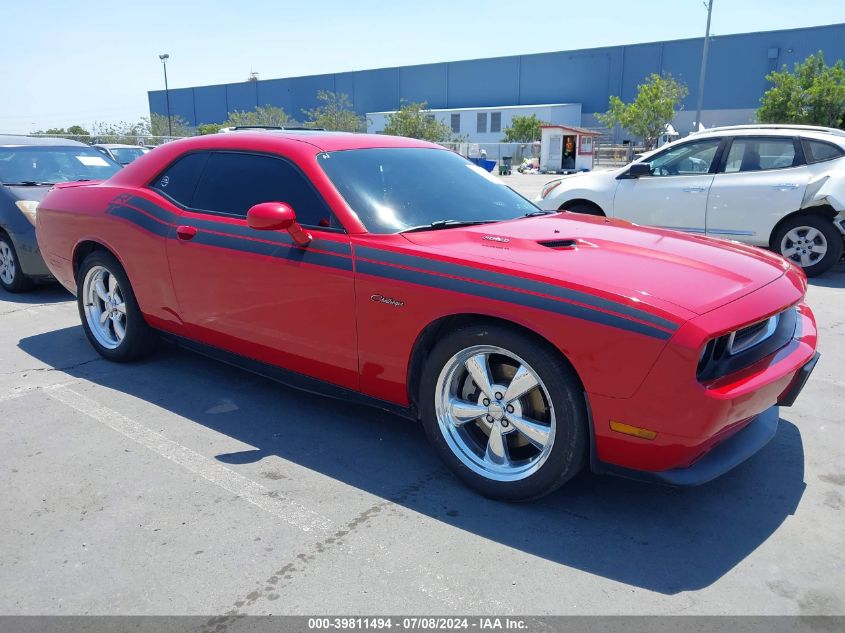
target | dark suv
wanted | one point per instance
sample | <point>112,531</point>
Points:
<point>28,168</point>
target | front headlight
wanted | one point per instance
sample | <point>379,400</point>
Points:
<point>28,208</point>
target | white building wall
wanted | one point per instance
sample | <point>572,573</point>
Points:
<point>562,114</point>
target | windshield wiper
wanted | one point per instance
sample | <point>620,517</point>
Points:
<point>445,224</point>
<point>535,213</point>
<point>28,183</point>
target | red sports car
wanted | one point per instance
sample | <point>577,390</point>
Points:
<point>394,272</point>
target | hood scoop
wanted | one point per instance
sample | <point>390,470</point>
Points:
<point>560,245</point>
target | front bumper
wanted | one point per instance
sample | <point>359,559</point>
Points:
<point>752,435</point>
<point>724,457</point>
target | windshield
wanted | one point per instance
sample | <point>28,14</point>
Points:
<point>48,165</point>
<point>399,188</point>
<point>126,155</point>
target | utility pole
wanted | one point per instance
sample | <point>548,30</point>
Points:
<point>703,67</point>
<point>164,57</point>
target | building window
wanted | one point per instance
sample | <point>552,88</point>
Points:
<point>495,121</point>
<point>481,126</point>
<point>456,123</point>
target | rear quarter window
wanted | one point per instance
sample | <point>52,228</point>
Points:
<point>179,181</point>
<point>818,151</point>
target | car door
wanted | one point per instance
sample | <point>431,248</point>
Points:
<point>256,293</point>
<point>761,179</point>
<point>674,196</point>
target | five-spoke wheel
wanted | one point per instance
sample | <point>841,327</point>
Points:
<point>809,241</point>
<point>105,309</point>
<point>505,410</point>
<point>110,314</point>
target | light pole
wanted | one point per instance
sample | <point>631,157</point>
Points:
<point>703,66</point>
<point>164,57</point>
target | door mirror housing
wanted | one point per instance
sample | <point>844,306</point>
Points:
<point>638,169</point>
<point>277,216</point>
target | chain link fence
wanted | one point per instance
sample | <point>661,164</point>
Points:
<point>145,140</point>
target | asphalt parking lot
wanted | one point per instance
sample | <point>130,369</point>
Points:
<point>180,485</point>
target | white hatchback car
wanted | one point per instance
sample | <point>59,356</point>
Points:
<point>779,187</point>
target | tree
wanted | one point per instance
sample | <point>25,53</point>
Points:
<point>523,129</point>
<point>335,113</point>
<point>267,116</point>
<point>651,111</point>
<point>813,94</point>
<point>414,120</point>
<point>209,128</point>
<point>157,125</point>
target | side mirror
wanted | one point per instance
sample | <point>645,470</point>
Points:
<point>638,169</point>
<point>277,216</point>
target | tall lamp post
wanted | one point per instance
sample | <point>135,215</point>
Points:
<point>164,57</point>
<point>703,67</point>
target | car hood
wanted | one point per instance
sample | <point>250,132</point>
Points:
<point>652,266</point>
<point>36,193</point>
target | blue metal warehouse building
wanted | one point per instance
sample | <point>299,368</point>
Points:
<point>735,79</point>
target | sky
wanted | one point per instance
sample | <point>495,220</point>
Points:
<point>66,62</point>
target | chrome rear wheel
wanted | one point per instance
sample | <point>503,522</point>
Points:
<point>105,308</point>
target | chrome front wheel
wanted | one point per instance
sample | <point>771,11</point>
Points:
<point>505,411</point>
<point>105,308</point>
<point>495,413</point>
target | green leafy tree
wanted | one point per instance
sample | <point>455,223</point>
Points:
<point>523,129</point>
<point>157,125</point>
<point>813,94</point>
<point>655,105</point>
<point>414,120</point>
<point>78,130</point>
<point>209,128</point>
<point>269,116</point>
<point>335,113</point>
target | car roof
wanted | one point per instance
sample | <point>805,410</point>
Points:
<point>115,145</point>
<point>758,127</point>
<point>806,131</point>
<point>322,141</point>
<point>11,140</point>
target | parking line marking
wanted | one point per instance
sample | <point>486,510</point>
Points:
<point>288,510</point>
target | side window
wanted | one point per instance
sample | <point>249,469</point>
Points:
<point>818,151</point>
<point>179,181</point>
<point>684,160</point>
<point>760,153</point>
<point>234,182</point>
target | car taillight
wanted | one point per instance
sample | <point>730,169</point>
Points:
<point>548,187</point>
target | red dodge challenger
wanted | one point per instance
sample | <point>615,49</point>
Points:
<point>394,272</point>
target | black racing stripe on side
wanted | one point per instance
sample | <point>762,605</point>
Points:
<point>290,254</point>
<point>144,221</point>
<point>516,282</point>
<point>510,296</point>
<point>150,207</point>
<point>341,248</point>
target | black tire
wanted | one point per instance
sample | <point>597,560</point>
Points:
<point>139,339</point>
<point>19,281</point>
<point>587,208</point>
<point>569,446</point>
<point>832,238</point>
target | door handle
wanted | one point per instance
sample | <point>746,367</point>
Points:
<point>694,189</point>
<point>186,233</point>
<point>786,185</point>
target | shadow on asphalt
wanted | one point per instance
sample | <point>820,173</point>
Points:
<point>662,539</point>
<point>41,294</point>
<point>833,278</point>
